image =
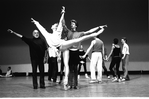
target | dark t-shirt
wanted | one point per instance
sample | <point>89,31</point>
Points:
<point>37,47</point>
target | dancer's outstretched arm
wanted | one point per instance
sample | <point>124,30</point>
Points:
<point>93,30</point>
<point>60,26</point>
<point>89,49</point>
<point>17,34</point>
<point>71,42</point>
<point>43,31</point>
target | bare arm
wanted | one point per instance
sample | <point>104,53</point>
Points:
<point>17,34</point>
<point>89,49</point>
<point>103,52</point>
<point>110,52</point>
<point>43,31</point>
<point>93,30</point>
<point>60,25</point>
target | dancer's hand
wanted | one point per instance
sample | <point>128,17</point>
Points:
<point>9,30</point>
<point>33,21</point>
<point>63,9</point>
<point>83,56</point>
<point>103,26</point>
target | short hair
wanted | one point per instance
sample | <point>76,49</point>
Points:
<point>115,41</point>
<point>98,36</point>
<point>125,39</point>
<point>35,31</point>
<point>75,22</point>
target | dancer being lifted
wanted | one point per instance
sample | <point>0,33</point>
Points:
<point>54,39</point>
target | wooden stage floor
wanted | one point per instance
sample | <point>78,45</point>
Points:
<point>21,87</point>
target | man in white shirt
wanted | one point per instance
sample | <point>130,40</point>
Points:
<point>125,59</point>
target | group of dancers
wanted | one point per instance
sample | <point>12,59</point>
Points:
<point>67,42</point>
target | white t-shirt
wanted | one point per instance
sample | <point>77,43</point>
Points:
<point>125,49</point>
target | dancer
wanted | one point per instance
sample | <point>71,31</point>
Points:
<point>37,48</point>
<point>125,59</point>
<point>82,62</point>
<point>115,55</point>
<point>97,47</point>
<point>73,52</point>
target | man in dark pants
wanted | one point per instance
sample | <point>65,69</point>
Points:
<point>82,62</point>
<point>74,52</point>
<point>53,69</point>
<point>73,68</point>
<point>37,47</point>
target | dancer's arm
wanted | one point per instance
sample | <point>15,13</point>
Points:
<point>111,52</point>
<point>60,25</point>
<point>40,27</point>
<point>89,49</point>
<point>93,30</point>
<point>103,52</point>
<point>17,34</point>
<point>89,58</point>
<point>124,52</point>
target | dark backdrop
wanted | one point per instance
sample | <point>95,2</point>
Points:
<point>127,18</point>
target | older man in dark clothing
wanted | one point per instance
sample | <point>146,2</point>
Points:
<point>37,47</point>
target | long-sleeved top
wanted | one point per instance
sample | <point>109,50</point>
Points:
<point>37,47</point>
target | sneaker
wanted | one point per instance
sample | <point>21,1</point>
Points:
<point>86,76</point>
<point>93,81</point>
<point>42,87</point>
<point>75,87</point>
<point>66,87</point>
<point>123,79</point>
<point>119,80</point>
<point>78,76</point>
<point>115,80</point>
<point>108,77</point>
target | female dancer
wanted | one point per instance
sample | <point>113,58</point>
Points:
<point>116,59</point>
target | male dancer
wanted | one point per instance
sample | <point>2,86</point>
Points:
<point>115,54</point>
<point>37,48</point>
<point>97,47</point>
<point>73,56</point>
